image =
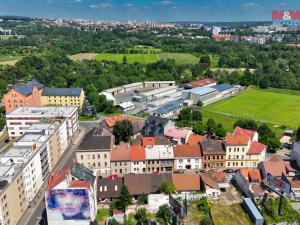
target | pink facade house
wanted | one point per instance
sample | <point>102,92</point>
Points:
<point>28,94</point>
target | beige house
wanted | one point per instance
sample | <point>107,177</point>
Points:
<point>63,97</point>
<point>138,159</point>
<point>94,151</point>
<point>120,159</point>
<point>12,196</point>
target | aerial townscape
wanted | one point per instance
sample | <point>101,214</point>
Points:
<point>150,118</point>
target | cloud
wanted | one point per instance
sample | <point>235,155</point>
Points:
<point>102,5</point>
<point>282,3</point>
<point>77,1</point>
<point>250,5</point>
<point>165,2</point>
<point>129,5</point>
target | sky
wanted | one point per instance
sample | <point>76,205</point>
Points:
<point>152,10</point>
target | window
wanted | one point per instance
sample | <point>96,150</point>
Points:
<point>98,156</point>
<point>81,156</point>
<point>196,160</point>
<point>116,188</point>
<point>100,188</point>
<point>181,160</point>
<point>228,164</point>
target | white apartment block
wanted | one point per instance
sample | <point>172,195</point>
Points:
<point>20,119</point>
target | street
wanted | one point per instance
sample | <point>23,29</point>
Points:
<point>33,214</point>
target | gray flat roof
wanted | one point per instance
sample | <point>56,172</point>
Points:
<point>43,111</point>
<point>4,169</point>
<point>29,137</point>
<point>39,126</point>
<point>253,208</point>
<point>17,151</point>
<point>157,91</point>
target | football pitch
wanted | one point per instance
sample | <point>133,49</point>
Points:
<point>274,107</point>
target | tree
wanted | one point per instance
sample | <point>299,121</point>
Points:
<point>200,104</point>
<point>196,115</point>
<point>203,206</point>
<point>163,216</point>
<point>124,60</point>
<point>221,132</point>
<point>246,124</point>
<point>167,188</point>
<point>211,126</point>
<point>206,220</point>
<point>113,222</point>
<point>124,200</point>
<point>265,130</point>
<point>123,130</point>
<point>185,114</point>
<point>141,216</point>
<point>273,144</point>
<point>199,128</point>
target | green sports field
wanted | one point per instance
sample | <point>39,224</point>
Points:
<point>131,58</point>
<point>265,106</point>
<point>180,58</point>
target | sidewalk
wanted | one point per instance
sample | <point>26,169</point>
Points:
<point>37,206</point>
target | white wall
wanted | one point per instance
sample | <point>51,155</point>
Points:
<point>181,163</point>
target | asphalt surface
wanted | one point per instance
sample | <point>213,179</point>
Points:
<point>35,214</point>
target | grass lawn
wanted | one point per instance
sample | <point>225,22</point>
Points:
<point>180,58</point>
<point>194,215</point>
<point>131,58</point>
<point>102,214</point>
<point>9,59</point>
<point>229,215</point>
<point>271,107</point>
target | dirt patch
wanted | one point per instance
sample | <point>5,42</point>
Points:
<point>83,56</point>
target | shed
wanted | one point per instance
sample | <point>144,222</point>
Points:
<point>253,212</point>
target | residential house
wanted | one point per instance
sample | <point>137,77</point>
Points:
<point>75,183</point>
<point>63,97</point>
<point>277,167</point>
<point>213,153</point>
<point>186,182</point>
<point>109,188</point>
<point>177,135</point>
<point>28,94</point>
<point>295,154</point>
<point>243,149</point>
<point>159,158</point>
<point>145,184</point>
<point>214,183</point>
<point>155,126</point>
<point>120,159</point>
<point>295,187</point>
<point>187,157</point>
<point>137,159</point>
<point>94,151</point>
<point>249,181</point>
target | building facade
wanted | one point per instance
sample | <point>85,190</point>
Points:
<point>28,94</point>
<point>63,97</point>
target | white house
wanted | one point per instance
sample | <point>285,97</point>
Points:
<point>187,157</point>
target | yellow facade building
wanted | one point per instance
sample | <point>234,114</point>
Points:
<point>63,97</point>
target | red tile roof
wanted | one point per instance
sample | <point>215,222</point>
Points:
<point>187,151</point>
<point>111,121</point>
<point>186,182</point>
<point>256,148</point>
<point>251,174</point>
<point>55,179</point>
<point>120,153</point>
<point>137,153</point>
<point>148,141</point>
<point>219,177</point>
<point>200,83</point>
<point>195,139</point>
<point>277,167</point>
<point>80,184</point>
<point>242,131</point>
<point>295,183</point>
<point>237,140</point>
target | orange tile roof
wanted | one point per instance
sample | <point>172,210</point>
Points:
<point>295,183</point>
<point>186,182</point>
<point>251,174</point>
<point>242,131</point>
<point>219,177</point>
<point>120,153</point>
<point>195,139</point>
<point>200,83</point>
<point>277,167</point>
<point>80,184</point>
<point>55,179</point>
<point>148,141</point>
<point>137,153</point>
<point>111,121</point>
<point>187,151</point>
<point>237,140</point>
<point>256,148</point>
